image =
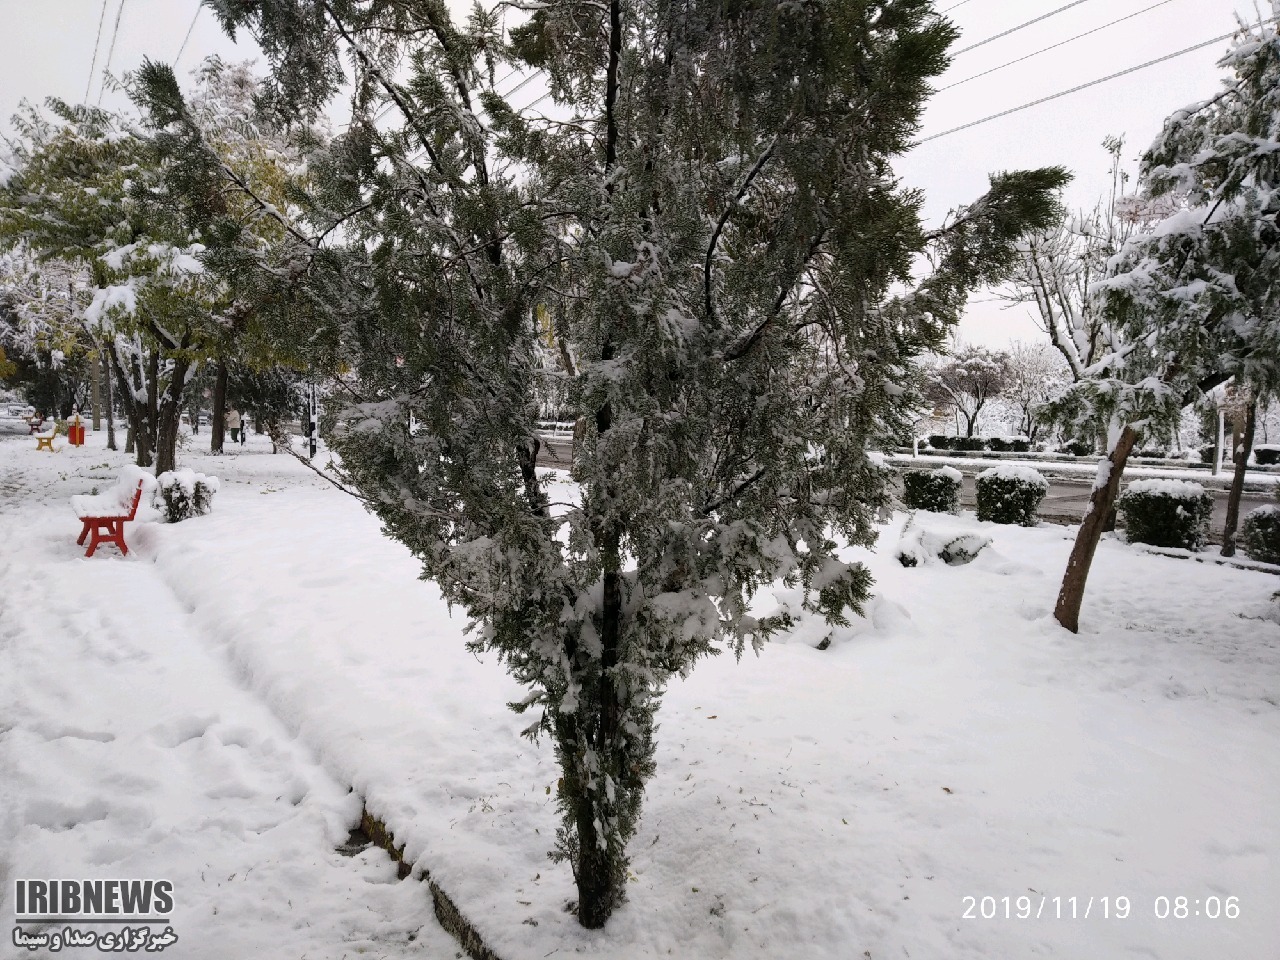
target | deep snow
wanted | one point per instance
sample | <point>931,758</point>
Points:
<point>198,709</point>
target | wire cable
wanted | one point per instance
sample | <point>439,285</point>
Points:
<point>1021,26</point>
<point>954,6</point>
<point>199,7</point>
<point>102,15</point>
<point>111,49</point>
<point>1055,46</point>
<point>1083,86</point>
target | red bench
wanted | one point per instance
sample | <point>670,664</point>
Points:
<point>104,529</point>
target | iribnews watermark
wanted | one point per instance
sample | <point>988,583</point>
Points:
<point>53,914</point>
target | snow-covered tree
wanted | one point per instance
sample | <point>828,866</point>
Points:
<point>1036,372</point>
<point>708,216</point>
<point>1057,269</point>
<point>84,192</point>
<point>966,381</point>
<point>1196,295</point>
<point>41,330</point>
<point>231,174</point>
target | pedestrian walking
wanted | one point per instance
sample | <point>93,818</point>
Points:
<point>231,420</point>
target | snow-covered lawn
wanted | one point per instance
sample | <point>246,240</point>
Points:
<point>198,710</point>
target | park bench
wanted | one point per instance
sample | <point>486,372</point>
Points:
<point>44,441</point>
<point>34,423</point>
<point>104,517</point>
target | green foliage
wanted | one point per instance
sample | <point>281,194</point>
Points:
<point>1155,515</point>
<point>934,490</point>
<point>1010,496</point>
<point>182,494</point>
<point>727,264</point>
<point>1261,533</point>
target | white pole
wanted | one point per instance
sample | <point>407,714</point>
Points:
<point>1219,448</point>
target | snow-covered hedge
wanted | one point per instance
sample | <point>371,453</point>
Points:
<point>1009,444</point>
<point>935,490</point>
<point>1166,513</point>
<point>1266,454</point>
<point>1010,494</point>
<point>1261,533</point>
<point>183,494</point>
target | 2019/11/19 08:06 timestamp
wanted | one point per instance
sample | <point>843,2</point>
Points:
<point>1043,907</point>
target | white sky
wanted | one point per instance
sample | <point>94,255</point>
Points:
<point>47,46</point>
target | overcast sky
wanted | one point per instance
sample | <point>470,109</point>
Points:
<point>47,47</point>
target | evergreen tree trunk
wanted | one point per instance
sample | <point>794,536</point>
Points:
<point>216,427</point>
<point>1237,481</point>
<point>167,442</point>
<point>168,417</point>
<point>139,440</point>
<point>600,882</point>
<point>95,372</point>
<point>111,413</point>
<point>1067,611</point>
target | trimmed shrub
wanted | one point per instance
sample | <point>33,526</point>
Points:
<point>934,490</point>
<point>1166,513</point>
<point>1266,455</point>
<point>1077,448</point>
<point>970,443</point>
<point>183,494</point>
<point>1260,533</point>
<point>1009,444</point>
<point>939,442</point>
<point>1010,494</point>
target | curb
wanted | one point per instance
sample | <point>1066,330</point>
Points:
<point>451,918</point>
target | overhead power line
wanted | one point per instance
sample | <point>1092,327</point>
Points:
<point>954,6</point>
<point>111,49</point>
<point>1021,26</point>
<point>1055,46</point>
<point>199,7</point>
<point>1083,86</point>
<point>102,15</point>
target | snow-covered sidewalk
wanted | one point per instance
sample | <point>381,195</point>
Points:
<point>837,803</point>
<point>131,749</point>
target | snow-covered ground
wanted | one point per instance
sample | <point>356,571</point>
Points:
<point>198,710</point>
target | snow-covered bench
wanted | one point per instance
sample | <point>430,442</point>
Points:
<point>44,441</point>
<point>105,514</point>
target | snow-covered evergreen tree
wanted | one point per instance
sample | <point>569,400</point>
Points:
<point>708,219</point>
